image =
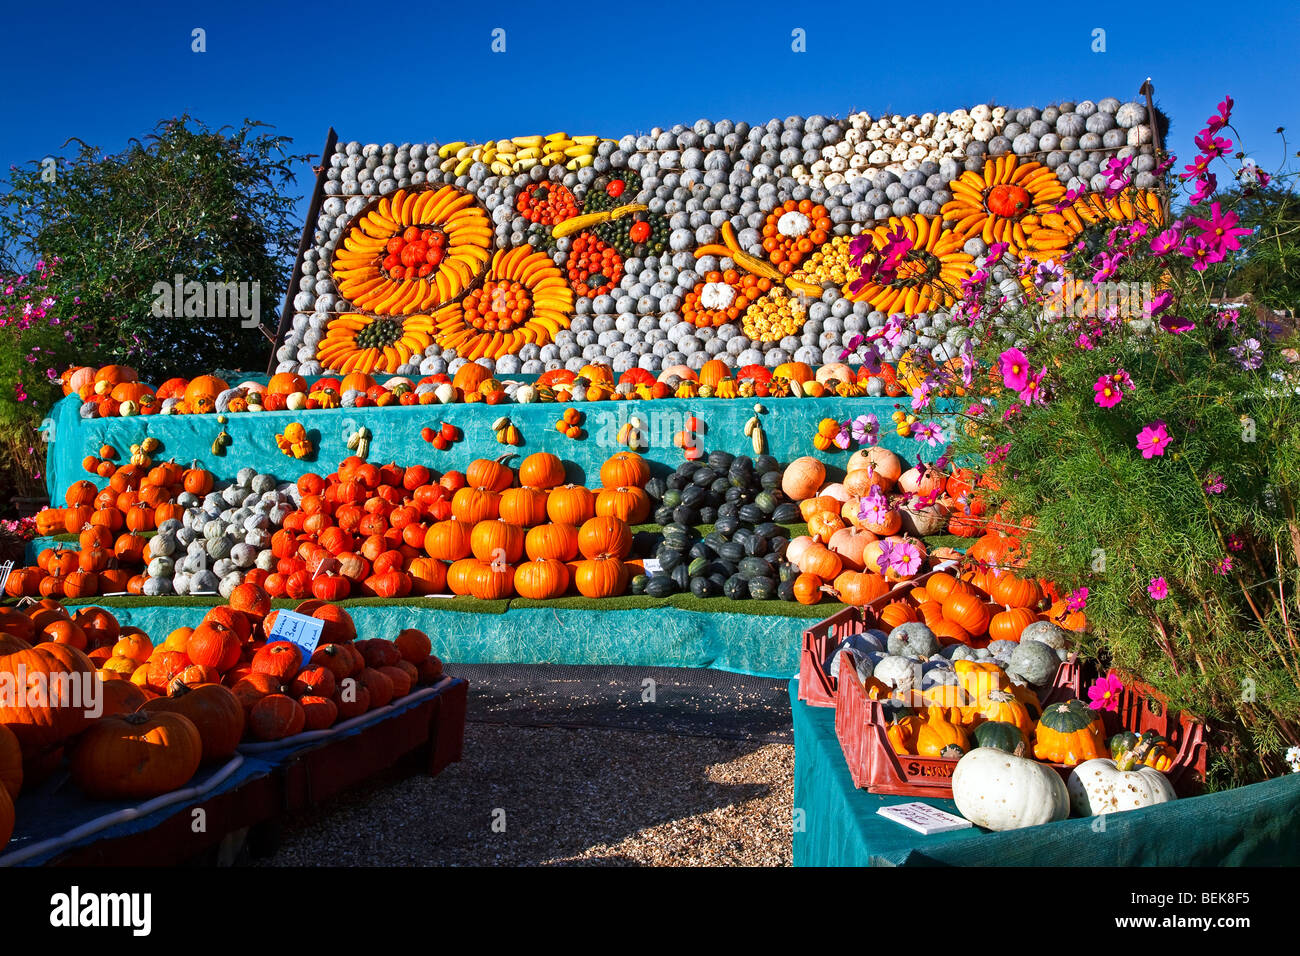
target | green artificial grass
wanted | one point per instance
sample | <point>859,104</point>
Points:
<point>684,602</point>
<point>472,605</point>
<point>461,603</point>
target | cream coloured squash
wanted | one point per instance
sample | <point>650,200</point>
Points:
<point>1001,791</point>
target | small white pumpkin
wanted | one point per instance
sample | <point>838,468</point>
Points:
<point>1103,785</point>
<point>525,394</point>
<point>1000,791</point>
<point>445,393</point>
<point>296,401</point>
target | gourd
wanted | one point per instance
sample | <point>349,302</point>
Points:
<point>802,478</point>
<point>1035,662</point>
<point>1002,706</point>
<point>977,678</point>
<point>1001,791</point>
<point>138,755</point>
<point>897,672</point>
<point>1000,736</point>
<point>1106,785</point>
<point>939,738</point>
<point>1157,751</point>
<point>1069,733</point>
<point>912,639</point>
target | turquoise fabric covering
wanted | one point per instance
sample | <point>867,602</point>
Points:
<point>790,424</point>
<point>763,646</point>
<point>1252,826</point>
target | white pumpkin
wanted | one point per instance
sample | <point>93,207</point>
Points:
<point>1000,791</point>
<point>296,401</point>
<point>1102,785</point>
<point>525,394</point>
<point>445,393</point>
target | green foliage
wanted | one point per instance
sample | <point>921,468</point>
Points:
<point>209,205</point>
<point>1211,516</point>
<point>1270,262</point>
<point>90,236</point>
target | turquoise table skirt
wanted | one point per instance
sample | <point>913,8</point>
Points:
<point>759,645</point>
<point>790,424</point>
<point>837,825</point>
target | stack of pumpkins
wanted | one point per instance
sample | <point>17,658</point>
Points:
<point>389,531</point>
<point>841,552</point>
<point>220,536</point>
<point>166,709</point>
<point>112,527</point>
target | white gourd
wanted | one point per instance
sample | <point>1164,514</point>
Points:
<point>1000,791</point>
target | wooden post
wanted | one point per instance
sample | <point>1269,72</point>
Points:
<point>308,234</point>
<point>1157,141</point>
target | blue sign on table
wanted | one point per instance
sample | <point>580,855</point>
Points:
<point>298,629</point>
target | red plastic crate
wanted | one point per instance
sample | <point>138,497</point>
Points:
<point>816,685</point>
<point>874,766</point>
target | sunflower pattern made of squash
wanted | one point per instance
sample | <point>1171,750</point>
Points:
<point>1006,203</point>
<point>414,251</point>
<point>930,273</point>
<point>523,300</point>
<point>359,342</point>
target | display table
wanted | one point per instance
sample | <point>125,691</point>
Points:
<point>651,632</point>
<point>789,424</point>
<point>57,824</point>
<point>1257,825</point>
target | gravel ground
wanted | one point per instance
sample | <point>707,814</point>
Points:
<point>694,791</point>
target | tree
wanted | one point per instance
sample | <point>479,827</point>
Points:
<point>89,242</point>
<point>1270,262</point>
<point>208,206</point>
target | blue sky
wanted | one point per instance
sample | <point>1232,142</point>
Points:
<point>417,72</point>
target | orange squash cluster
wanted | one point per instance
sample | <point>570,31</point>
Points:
<point>793,230</point>
<point>111,525</point>
<point>490,532</point>
<point>723,297</point>
<point>196,694</point>
<point>594,267</point>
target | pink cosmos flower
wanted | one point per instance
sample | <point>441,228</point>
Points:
<point>930,433</point>
<point>997,454</point>
<point>1220,231</point>
<point>1205,188</point>
<point>842,438</point>
<point>873,507</point>
<point>1076,600</point>
<point>901,556</point>
<point>1211,145</point>
<point>1224,566</point>
<point>1176,324</point>
<point>1158,589</point>
<point>1159,302</point>
<point>1122,379</point>
<point>1197,167</point>
<point>1221,117</point>
<point>1235,542</point>
<point>1104,693</point>
<point>1167,241</point>
<point>866,429</point>
<point>1107,392</point>
<point>1214,484</point>
<point>1015,369</point>
<point>1202,253</point>
<point>1153,439</point>
<point>1032,393</point>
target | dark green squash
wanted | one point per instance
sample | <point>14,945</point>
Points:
<point>1000,735</point>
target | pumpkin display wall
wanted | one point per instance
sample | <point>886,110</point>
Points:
<point>688,243</point>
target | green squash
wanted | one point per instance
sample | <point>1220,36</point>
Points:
<point>1000,735</point>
